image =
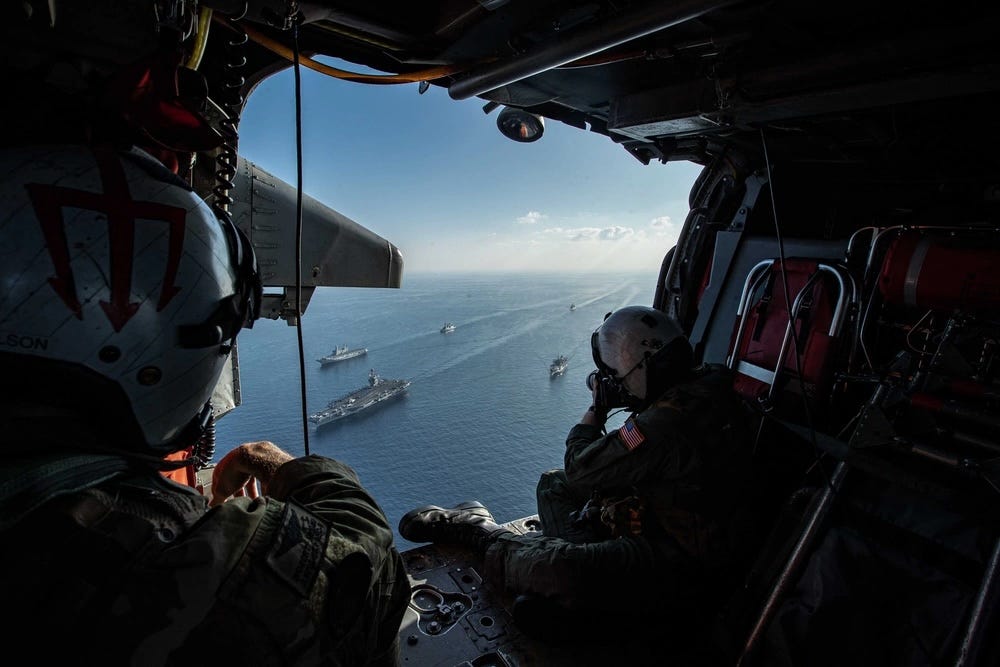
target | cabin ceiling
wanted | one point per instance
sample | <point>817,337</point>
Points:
<point>673,80</point>
<point>893,82</point>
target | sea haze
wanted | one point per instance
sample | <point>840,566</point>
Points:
<point>482,418</point>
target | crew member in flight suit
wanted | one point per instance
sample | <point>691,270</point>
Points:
<point>123,294</point>
<point>643,519</point>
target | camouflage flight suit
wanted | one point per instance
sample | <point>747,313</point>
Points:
<point>134,570</point>
<point>684,458</point>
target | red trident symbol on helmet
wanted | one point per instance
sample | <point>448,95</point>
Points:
<point>121,211</point>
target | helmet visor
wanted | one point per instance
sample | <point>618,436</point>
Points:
<point>595,350</point>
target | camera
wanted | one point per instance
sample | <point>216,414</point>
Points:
<point>608,392</point>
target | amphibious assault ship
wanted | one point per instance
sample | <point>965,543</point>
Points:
<point>340,353</point>
<point>377,391</point>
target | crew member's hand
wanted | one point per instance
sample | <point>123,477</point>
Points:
<point>596,414</point>
<point>243,466</point>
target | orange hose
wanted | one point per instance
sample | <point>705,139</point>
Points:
<point>280,49</point>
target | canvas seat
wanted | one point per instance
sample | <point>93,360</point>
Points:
<point>775,354</point>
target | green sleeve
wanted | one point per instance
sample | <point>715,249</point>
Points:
<point>331,491</point>
<point>599,461</point>
<point>273,568</point>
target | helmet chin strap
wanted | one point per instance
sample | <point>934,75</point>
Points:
<point>668,366</point>
<point>635,400</point>
<point>194,430</point>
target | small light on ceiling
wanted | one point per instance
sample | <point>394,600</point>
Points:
<point>519,125</point>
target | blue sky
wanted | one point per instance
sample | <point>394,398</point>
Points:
<point>436,178</point>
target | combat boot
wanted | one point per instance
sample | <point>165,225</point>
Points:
<point>468,524</point>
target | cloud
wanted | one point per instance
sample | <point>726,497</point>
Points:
<point>566,247</point>
<point>617,233</point>
<point>594,234</point>
<point>532,217</point>
<point>583,234</point>
<point>569,233</point>
<point>661,222</point>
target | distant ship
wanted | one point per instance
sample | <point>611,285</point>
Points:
<point>377,391</point>
<point>341,353</point>
<point>558,365</point>
<point>572,306</point>
<point>448,327</point>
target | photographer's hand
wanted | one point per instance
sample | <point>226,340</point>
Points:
<point>596,414</point>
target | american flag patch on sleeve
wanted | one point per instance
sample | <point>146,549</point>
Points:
<point>630,434</point>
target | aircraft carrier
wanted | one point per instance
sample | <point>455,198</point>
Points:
<point>378,390</point>
<point>558,365</point>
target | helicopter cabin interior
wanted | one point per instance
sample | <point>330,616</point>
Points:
<point>840,255</point>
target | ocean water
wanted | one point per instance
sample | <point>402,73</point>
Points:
<point>482,418</point>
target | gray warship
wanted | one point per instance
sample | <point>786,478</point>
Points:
<point>378,390</point>
<point>558,365</point>
<point>342,352</point>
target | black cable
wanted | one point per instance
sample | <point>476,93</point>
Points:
<point>298,232</point>
<point>791,319</point>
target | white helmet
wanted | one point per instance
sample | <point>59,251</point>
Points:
<point>643,350</point>
<point>122,292</point>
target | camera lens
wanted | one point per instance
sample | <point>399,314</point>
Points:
<point>592,380</point>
